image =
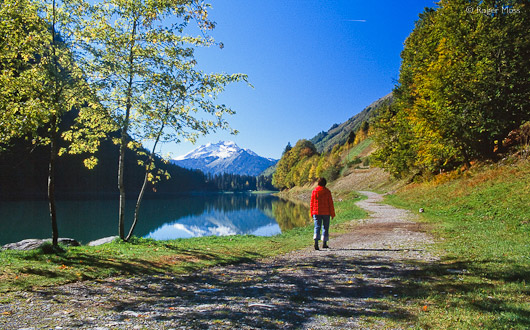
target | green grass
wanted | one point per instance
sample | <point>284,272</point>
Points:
<point>359,148</point>
<point>482,221</point>
<point>22,270</point>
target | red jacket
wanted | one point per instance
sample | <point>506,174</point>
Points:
<point>322,202</point>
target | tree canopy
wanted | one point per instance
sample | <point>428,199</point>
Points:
<point>41,83</point>
<point>464,84</point>
<point>125,66</point>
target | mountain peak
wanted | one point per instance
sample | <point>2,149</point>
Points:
<point>223,149</point>
<point>224,157</point>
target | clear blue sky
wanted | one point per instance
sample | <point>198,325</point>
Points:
<point>312,64</point>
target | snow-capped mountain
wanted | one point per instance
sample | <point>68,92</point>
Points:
<point>224,157</point>
<point>218,223</point>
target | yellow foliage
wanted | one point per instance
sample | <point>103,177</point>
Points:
<point>90,162</point>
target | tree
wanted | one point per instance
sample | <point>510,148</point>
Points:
<point>287,148</point>
<point>23,34</point>
<point>351,137</point>
<point>40,82</point>
<point>168,115</point>
<point>291,169</point>
<point>464,85</point>
<point>140,63</point>
<point>396,150</point>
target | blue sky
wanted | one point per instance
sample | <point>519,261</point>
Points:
<point>312,64</point>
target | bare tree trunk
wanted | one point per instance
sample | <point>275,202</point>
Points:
<point>123,144</point>
<point>138,202</point>
<point>121,187</point>
<point>51,182</point>
<point>53,145</point>
<point>144,185</point>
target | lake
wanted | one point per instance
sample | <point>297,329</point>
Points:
<point>160,219</point>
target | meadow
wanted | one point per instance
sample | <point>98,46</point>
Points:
<point>481,220</point>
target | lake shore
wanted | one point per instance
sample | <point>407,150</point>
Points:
<point>341,287</point>
<point>167,217</point>
<point>29,269</point>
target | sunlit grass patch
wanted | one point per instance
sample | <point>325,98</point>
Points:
<point>481,221</point>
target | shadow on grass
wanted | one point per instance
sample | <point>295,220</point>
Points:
<point>287,293</point>
<point>495,294</point>
<point>40,268</point>
<point>271,295</point>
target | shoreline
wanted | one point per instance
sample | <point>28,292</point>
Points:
<point>282,290</point>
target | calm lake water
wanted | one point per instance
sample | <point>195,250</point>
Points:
<point>160,219</point>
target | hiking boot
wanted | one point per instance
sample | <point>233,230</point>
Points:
<point>316,245</point>
<point>325,246</point>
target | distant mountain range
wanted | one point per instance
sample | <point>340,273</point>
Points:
<point>224,157</point>
<point>338,134</point>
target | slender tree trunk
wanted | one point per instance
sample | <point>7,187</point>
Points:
<point>51,182</point>
<point>138,202</point>
<point>124,131</point>
<point>121,187</point>
<point>144,185</point>
<point>53,143</point>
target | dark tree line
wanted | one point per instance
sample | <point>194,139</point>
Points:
<point>236,182</point>
<point>23,174</point>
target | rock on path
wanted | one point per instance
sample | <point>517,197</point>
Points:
<point>337,288</point>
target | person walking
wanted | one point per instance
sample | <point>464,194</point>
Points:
<point>322,209</point>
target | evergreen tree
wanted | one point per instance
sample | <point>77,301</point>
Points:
<point>351,137</point>
<point>288,147</point>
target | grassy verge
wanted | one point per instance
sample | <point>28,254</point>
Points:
<point>482,221</point>
<point>358,149</point>
<point>24,270</point>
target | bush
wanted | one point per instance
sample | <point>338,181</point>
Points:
<point>332,173</point>
<point>355,161</point>
<point>366,161</point>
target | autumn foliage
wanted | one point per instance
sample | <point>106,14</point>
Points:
<point>302,164</point>
<point>464,85</point>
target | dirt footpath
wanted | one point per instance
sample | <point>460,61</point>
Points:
<point>337,288</point>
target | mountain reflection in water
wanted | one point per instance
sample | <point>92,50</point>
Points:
<point>219,223</point>
<point>160,218</point>
<point>236,214</point>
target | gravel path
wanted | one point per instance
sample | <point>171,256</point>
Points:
<point>336,288</point>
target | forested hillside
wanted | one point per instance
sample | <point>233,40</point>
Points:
<point>303,164</point>
<point>332,153</point>
<point>464,86</point>
<point>463,95</point>
<point>24,174</point>
<point>342,133</point>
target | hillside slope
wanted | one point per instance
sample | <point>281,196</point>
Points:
<point>338,134</point>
